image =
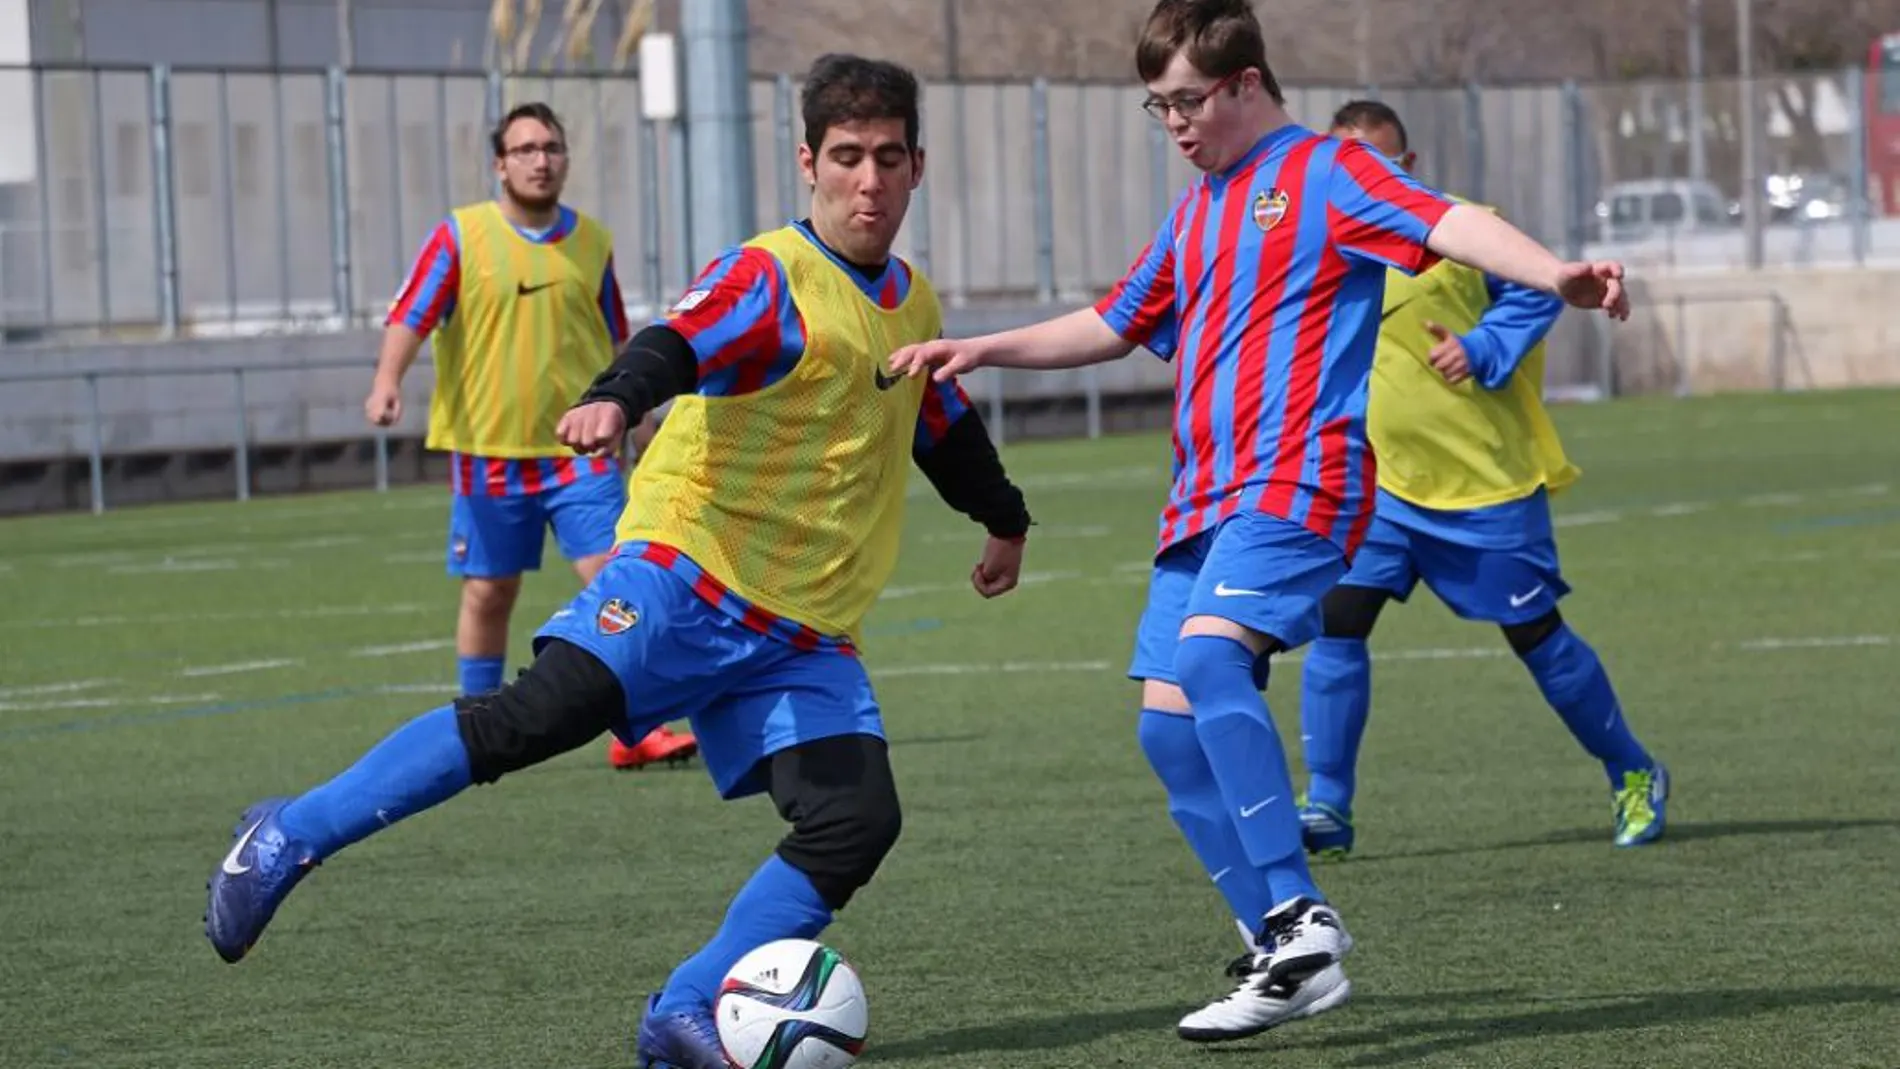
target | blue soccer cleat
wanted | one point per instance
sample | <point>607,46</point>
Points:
<point>679,1040</point>
<point>1324,831</point>
<point>1639,806</point>
<point>253,879</point>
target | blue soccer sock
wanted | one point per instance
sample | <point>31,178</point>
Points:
<point>1242,747</point>
<point>1335,701</point>
<point>1572,678</point>
<point>1194,801</point>
<point>778,902</point>
<point>421,764</point>
<point>481,675</point>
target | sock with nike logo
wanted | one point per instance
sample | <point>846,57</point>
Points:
<point>419,765</point>
<point>1572,678</point>
<point>778,902</point>
<point>1335,702</point>
<point>1174,751</point>
<point>1237,734</point>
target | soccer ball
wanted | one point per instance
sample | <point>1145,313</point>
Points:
<point>791,1004</point>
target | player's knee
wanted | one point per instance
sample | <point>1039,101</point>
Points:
<point>490,598</point>
<point>566,699</point>
<point>843,805</point>
<point>1525,638</point>
<point>1209,666</point>
<point>1351,611</point>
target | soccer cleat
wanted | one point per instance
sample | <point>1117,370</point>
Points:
<point>253,879</point>
<point>1639,805</point>
<point>661,744</point>
<point>678,1040</point>
<point>1324,831</point>
<point>1261,1002</point>
<point>1304,937</point>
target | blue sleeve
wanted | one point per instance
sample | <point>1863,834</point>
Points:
<point>1517,320</point>
<point>1379,213</point>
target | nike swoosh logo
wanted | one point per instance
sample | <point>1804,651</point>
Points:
<point>1518,601</point>
<point>883,381</point>
<point>1250,810</point>
<point>231,866</point>
<point>524,289</point>
<point>1222,590</point>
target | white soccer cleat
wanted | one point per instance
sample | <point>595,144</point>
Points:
<point>1261,1002</point>
<point>1302,937</point>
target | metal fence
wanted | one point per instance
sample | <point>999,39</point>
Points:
<point>186,202</point>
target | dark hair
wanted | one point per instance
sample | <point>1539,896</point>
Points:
<point>1369,115</point>
<point>1221,38</point>
<point>843,88</point>
<point>535,110</point>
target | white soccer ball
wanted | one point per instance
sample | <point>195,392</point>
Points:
<point>791,1004</point>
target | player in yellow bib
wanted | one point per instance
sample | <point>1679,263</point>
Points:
<point>519,298</point>
<point>765,522</point>
<point>1467,457</point>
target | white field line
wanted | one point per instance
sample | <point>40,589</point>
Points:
<point>417,688</point>
<point>67,687</point>
<point>184,565</point>
<point>1028,579</point>
<point>238,667</point>
<point>307,612</point>
<point>1815,642</point>
<point>897,671</point>
<point>106,703</point>
<point>399,648</point>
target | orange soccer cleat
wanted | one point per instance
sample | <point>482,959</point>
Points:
<point>661,744</point>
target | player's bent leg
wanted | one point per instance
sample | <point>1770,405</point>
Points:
<point>1335,704</point>
<point>1574,682</point>
<point>841,799</point>
<point>565,699</point>
<point>481,630</point>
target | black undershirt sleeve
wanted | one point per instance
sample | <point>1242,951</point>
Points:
<point>969,476</point>
<point>655,367</point>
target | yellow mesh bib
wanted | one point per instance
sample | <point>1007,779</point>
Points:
<point>793,495</point>
<point>1455,447</point>
<point>525,340</point>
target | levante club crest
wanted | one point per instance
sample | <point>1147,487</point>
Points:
<point>1269,208</point>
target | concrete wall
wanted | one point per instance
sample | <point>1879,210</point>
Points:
<point>1792,329</point>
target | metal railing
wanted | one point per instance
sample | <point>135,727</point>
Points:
<point>163,201</point>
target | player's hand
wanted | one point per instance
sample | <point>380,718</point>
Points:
<point>1448,357</point>
<point>951,357</point>
<point>383,407</point>
<point>592,429</point>
<point>1001,567</point>
<point>1594,284</point>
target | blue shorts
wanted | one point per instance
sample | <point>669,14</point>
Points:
<point>500,537</point>
<point>748,695</point>
<point>1257,570</point>
<point>1482,576</point>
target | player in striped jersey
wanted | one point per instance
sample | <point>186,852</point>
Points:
<point>520,297</point>
<point>1264,287</point>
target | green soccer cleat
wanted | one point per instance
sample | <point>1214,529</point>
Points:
<point>1639,805</point>
<point>1324,831</point>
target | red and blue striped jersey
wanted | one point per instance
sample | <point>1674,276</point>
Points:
<point>427,299</point>
<point>747,333</point>
<point>1264,288</point>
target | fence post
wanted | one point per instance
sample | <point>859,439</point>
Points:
<point>919,216</point>
<point>1777,355</point>
<point>1045,214</point>
<point>678,178</point>
<point>1158,191</point>
<point>164,207</point>
<point>996,405</point>
<point>783,166</point>
<point>334,122</point>
<point>493,103</point>
<point>1683,375</point>
<point>382,459</point>
<point>96,460</point>
<point>1092,387</point>
<point>227,182</point>
<point>281,189</point>
<point>43,165</point>
<point>1474,139</point>
<point>241,448</point>
<point>959,118</point>
<point>1574,203</point>
<point>1857,214</point>
<point>398,234</point>
<point>646,137</point>
<point>101,231</point>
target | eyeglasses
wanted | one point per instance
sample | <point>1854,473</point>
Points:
<point>553,149</point>
<point>1187,105</point>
